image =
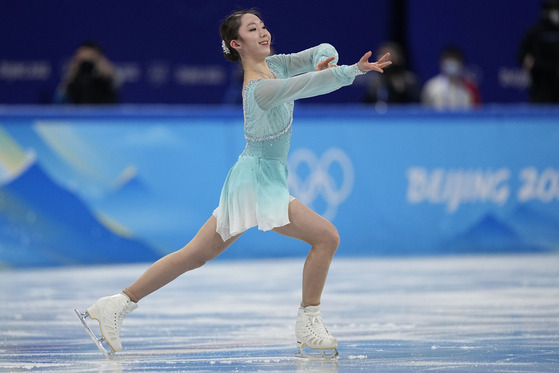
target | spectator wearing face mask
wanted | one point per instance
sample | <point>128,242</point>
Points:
<point>539,55</point>
<point>450,89</point>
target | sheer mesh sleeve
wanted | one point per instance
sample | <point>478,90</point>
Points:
<point>305,61</point>
<point>273,92</point>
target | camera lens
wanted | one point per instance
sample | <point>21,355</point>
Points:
<point>86,67</point>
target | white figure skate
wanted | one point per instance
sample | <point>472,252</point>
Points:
<point>311,333</point>
<point>109,313</point>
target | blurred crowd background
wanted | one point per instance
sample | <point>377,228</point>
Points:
<point>457,54</point>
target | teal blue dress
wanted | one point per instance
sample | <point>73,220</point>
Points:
<point>255,192</point>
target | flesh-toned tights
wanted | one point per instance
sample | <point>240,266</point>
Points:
<point>305,225</point>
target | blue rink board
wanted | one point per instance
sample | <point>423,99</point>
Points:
<point>130,183</point>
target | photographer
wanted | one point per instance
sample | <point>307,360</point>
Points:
<point>90,78</point>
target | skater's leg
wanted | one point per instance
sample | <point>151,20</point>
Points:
<point>308,226</point>
<point>323,237</point>
<point>206,245</point>
<point>110,311</point>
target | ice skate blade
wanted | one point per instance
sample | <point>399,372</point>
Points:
<point>109,354</point>
<point>320,355</point>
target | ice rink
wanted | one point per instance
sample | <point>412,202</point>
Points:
<point>442,314</point>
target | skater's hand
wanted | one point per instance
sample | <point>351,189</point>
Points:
<point>364,64</point>
<point>325,64</point>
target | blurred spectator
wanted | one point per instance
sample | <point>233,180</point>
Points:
<point>396,84</point>
<point>451,89</point>
<point>90,78</point>
<point>539,55</point>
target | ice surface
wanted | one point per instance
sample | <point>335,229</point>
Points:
<point>459,314</point>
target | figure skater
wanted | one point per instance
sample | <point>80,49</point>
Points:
<point>255,192</point>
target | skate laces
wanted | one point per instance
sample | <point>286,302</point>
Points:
<point>120,315</point>
<point>125,311</point>
<point>316,325</point>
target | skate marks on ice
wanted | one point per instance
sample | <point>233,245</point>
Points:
<point>458,314</point>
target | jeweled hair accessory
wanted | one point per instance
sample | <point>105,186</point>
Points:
<point>226,49</point>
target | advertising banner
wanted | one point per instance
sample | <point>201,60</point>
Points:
<point>129,184</point>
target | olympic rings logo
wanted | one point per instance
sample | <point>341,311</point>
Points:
<point>333,187</point>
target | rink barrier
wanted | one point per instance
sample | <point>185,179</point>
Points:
<point>92,185</point>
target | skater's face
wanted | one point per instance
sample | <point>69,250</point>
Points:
<point>254,39</point>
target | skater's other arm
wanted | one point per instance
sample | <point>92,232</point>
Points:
<point>272,92</point>
<point>302,62</point>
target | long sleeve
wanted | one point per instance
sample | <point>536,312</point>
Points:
<point>273,92</point>
<point>302,62</point>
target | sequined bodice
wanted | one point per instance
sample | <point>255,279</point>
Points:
<point>275,148</point>
<point>268,133</point>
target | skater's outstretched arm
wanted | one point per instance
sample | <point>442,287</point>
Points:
<point>302,62</point>
<point>274,92</point>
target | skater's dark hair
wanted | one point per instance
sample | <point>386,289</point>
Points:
<point>229,30</point>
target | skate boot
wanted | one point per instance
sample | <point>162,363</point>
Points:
<point>109,313</point>
<point>311,333</point>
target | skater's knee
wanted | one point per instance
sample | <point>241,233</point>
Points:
<point>334,240</point>
<point>195,255</point>
<point>200,258</point>
<point>329,240</point>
